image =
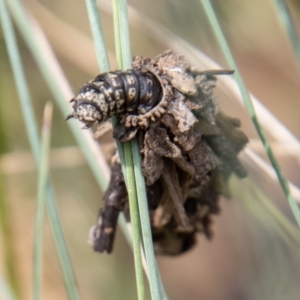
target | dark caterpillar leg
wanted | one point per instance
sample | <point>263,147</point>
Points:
<point>103,234</point>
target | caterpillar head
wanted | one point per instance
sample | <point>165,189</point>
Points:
<point>89,107</point>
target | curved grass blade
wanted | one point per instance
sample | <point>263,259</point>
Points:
<point>249,106</point>
<point>31,126</point>
<point>42,185</point>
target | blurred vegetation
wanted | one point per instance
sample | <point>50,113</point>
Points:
<point>254,253</point>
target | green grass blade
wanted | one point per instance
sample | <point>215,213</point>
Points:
<point>156,286</point>
<point>122,37</point>
<point>135,222</point>
<point>287,21</point>
<point>42,184</point>
<point>124,62</point>
<point>31,126</point>
<point>117,33</point>
<point>62,252</point>
<point>104,66</point>
<point>98,38</point>
<point>249,106</point>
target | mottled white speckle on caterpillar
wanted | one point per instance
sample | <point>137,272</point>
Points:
<point>131,93</point>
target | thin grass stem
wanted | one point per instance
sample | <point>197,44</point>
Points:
<point>42,184</point>
<point>98,37</point>
<point>156,286</point>
<point>289,25</point>
<point>135,222</point>
<point>124,62</point>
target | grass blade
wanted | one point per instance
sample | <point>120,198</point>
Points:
<point>124,61</point>
<point>135,222</point>
<point>122,38</point>
<point>287,21</point>
<point>42,184</point>
<point>156,286</point>
<point>97,33</point>
<point>31,126</point>
<point>128,171</point>
<point>249,106</point>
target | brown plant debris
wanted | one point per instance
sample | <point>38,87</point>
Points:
<point>189,149</point>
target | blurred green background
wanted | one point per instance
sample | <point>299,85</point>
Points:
<point>254,253</point>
